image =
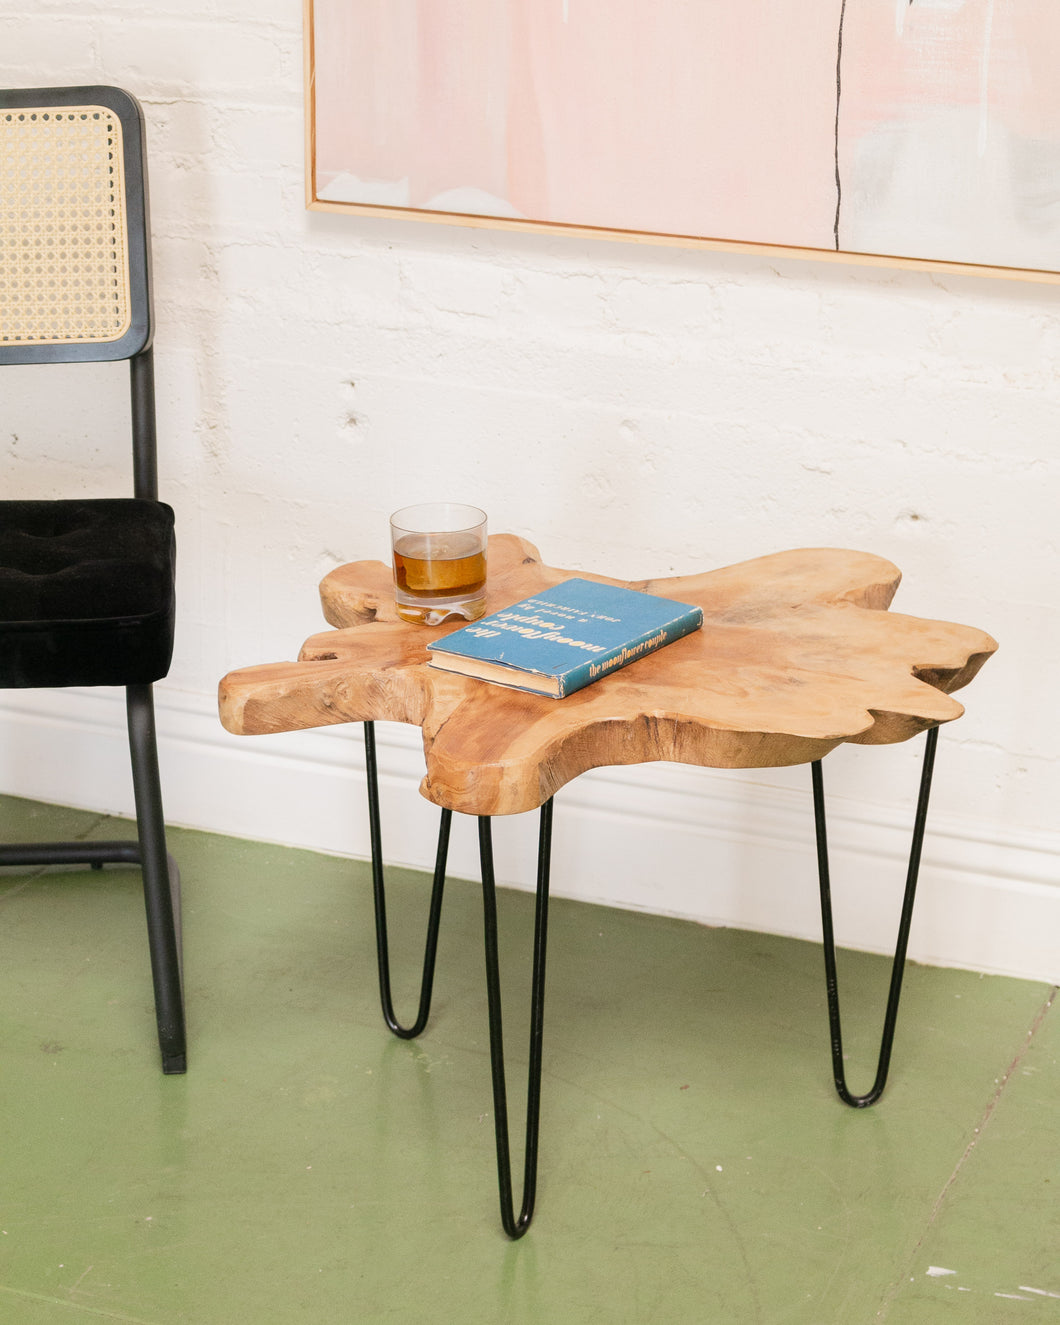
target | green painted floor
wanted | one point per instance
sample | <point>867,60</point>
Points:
<point>696,1165</point>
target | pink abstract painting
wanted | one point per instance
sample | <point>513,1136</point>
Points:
<point>913,128</point>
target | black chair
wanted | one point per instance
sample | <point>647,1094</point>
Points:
<point>87,585</point>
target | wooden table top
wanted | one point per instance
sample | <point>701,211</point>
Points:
<point>797,654</point>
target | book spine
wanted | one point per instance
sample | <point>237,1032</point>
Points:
<point>631,651</point>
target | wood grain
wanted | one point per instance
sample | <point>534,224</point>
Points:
<point>797,654</point>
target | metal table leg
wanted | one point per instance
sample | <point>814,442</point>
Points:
<point>897,970</point>
<point>515,1226</point>
<point>379,895</point>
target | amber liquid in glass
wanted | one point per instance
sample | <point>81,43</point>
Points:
<point>439,575</point>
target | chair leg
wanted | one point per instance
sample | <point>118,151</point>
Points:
<point>161,878</point>
<point>898,968</point>
<point>96,854</point>
<point>516,1226</point>
<point>379,896</point>
<point>161,881</point>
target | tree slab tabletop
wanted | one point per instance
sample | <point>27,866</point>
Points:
<point>797,654</point>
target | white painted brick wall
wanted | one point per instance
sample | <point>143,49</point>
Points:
<point>645,409</point>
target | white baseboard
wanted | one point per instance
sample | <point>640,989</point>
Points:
<point>719,848</point>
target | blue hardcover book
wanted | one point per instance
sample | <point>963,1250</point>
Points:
<point>565,638</point>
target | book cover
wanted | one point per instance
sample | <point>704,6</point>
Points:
<point>566,637</point>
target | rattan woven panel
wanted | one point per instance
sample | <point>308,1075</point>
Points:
<point>63,236</point>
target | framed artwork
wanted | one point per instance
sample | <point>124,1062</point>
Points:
<point>922,132</point>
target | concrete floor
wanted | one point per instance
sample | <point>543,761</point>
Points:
<point>696,1165</point>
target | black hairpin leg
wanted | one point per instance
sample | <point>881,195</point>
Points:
<point>515,1226</point>
<point>379,894</point>
<point>897,970</point>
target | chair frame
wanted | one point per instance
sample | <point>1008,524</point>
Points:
<point>161,878</point>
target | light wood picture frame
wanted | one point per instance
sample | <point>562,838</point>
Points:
<point>916,133</point>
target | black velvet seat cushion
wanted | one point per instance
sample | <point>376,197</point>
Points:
<point>86,592</point>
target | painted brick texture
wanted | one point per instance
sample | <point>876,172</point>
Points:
<point>644,410</point>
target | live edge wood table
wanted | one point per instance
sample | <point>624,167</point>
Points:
<point>797,654</point>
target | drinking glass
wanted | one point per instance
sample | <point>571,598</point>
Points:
<point>439,562</point>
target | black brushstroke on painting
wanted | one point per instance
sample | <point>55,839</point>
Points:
<point>838,95</point>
